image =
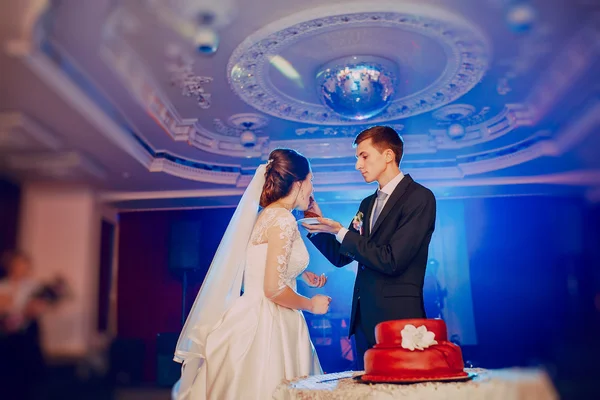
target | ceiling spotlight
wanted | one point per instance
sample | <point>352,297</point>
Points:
<point>456,131</point>
<point>521,17</point>
<point>206,40</point>
<point>248,139</point>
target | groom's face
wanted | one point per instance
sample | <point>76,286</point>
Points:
<point>369,161</point>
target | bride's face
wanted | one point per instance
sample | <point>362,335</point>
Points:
<point>305,191</point>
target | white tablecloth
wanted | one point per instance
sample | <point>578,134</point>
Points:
<point>506,384</point>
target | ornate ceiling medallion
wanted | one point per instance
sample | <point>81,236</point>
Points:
<point>275,69</point>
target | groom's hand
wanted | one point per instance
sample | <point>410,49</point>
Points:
<point>325,225</point>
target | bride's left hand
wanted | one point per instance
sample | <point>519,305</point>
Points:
<point>314,280</point>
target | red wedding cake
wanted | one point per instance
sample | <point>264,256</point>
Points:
<point>413,350</point>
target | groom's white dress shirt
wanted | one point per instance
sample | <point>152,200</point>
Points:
<point>387,189</point>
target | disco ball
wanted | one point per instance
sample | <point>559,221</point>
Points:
<point>358,87</point>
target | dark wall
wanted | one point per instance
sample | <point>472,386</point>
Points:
<point>527,256</point>
<point>149,291</point>
<point>10,198</point>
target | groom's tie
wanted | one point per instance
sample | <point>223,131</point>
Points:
<point>381,196</point>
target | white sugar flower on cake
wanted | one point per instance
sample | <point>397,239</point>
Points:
<point>417,338</point>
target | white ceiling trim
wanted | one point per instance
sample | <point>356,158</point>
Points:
<point>571,64</point>
<point>46,69</point>
<point>348,201</point>
<point>11,122</point>
<point>581,178</point>
<point>61,165</point>
<point>123,61</point>
<point>129,68</point>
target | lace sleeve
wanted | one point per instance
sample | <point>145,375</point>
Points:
<point>280,236</point>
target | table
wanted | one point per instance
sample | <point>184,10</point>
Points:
<point>502,384</point>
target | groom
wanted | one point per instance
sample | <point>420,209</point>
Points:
<point>389,237</point>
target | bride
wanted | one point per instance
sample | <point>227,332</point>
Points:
<point>236,346</point>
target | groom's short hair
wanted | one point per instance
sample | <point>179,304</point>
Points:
<point>383,138</point>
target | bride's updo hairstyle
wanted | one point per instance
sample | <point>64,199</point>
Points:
<point>284,168</point>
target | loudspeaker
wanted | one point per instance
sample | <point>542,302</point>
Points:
<point>167,370</point>
<point>185,245</point>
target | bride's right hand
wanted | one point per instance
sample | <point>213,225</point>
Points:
<point>320,304</point>
<point>314,207</point>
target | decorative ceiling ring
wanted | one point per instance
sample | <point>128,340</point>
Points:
<point>466,54</point>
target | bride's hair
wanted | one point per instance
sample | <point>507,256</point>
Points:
<point>284,168</point>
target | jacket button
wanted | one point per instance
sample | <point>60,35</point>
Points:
<point>362,267</point>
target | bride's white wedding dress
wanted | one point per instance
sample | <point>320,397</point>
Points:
<point>257,343</point>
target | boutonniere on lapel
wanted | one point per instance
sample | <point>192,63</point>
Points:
<point>357,222</point>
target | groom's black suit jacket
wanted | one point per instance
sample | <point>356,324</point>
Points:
<point>391,257</point>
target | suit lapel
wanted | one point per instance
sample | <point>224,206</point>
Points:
<point>368,212</point>
<point>394,197</point>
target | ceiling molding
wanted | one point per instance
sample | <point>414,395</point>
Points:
<point>57,165</point>
<point>465,165</point>
<point>30,27</point>
<point>540,144</point>
<point>19,132</point>
<point>587,122</point>
<point>511,117</point>
<point>32,152</point>
<point>131,71</point>
<point>44,59</point>
<point>47,70</point>
<point>194,174</point>
<point>127,65</point>
<point>569,65</point>
<point>181,16</point>
<point>149,208</point>
<point>582,178</point>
